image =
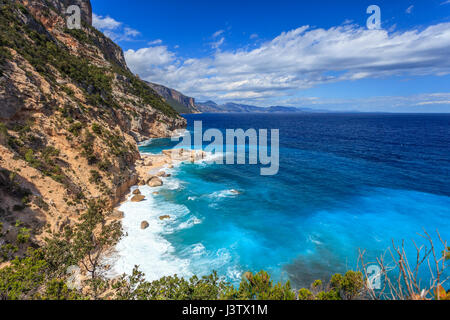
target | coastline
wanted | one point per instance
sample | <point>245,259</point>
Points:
<point>153,173</point>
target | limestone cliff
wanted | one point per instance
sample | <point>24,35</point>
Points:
<point>71,113</point>
<point>177,100</point>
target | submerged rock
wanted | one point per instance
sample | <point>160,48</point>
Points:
<point>235,191</point>
<point>144,225</point>
<point>138,198</point>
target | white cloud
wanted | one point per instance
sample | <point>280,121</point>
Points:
<point>113,29</point>
<point>150,61</point>
<point>218,43</point>
<point>131,32</point>
<point>296,60</point>
<point>445,2</point>
<point>409,9</point>
<point>253,36</point>
<point>105,23</point>
<point>217,33</point>
<point>154,42</point>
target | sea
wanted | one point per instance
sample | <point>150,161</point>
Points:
<point>347,184</point>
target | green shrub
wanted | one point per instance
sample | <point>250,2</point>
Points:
<point>305,294</point>
<point>30,158</point>
<point>76,128</point>
<point>349,286</point>
<point>24,277</point>
<point>95,177</point>
<point>105,165</point>
<point>259,286</point>
<point>24,235</point>
<point>97,129</point>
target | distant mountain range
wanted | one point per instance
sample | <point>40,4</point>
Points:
<point>212,107</point>
<point>185,104</point>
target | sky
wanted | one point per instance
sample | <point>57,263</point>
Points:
<point>315,54</point>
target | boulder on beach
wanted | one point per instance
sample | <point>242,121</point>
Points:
<point>170,166</point>
<point>137,191</point>
<point>154,182</point>
<point>164,217</point>
<point>161,174</point>
<point>138,198</point>
<point>142,183</point>
<point>144,225</point>
<point>148,162</point>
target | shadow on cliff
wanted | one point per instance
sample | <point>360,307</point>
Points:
<point>17,196</point>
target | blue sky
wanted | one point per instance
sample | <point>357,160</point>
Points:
<point>316,54</point>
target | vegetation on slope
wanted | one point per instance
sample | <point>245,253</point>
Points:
<point>45,53</point>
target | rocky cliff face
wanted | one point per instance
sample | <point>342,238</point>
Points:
<point>71,113</point>
<point>177,100</point>
<point>60,7</point>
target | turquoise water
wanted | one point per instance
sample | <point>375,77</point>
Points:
<point>346,182</point>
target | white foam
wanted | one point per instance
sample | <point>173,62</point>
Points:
<point>195,250</point>
<point>224,194</point>
<point>190,223</point>
<point>145,143</point>
<point>179,133</point>
<point>148,248</point>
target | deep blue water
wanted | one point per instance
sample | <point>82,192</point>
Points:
<point>346,182</point>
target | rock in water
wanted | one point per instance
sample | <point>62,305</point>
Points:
<point>164,217</point>
<point>138,198</point>
<point>136,191</point>
<point>155,182</point>
<point>144,225</point>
